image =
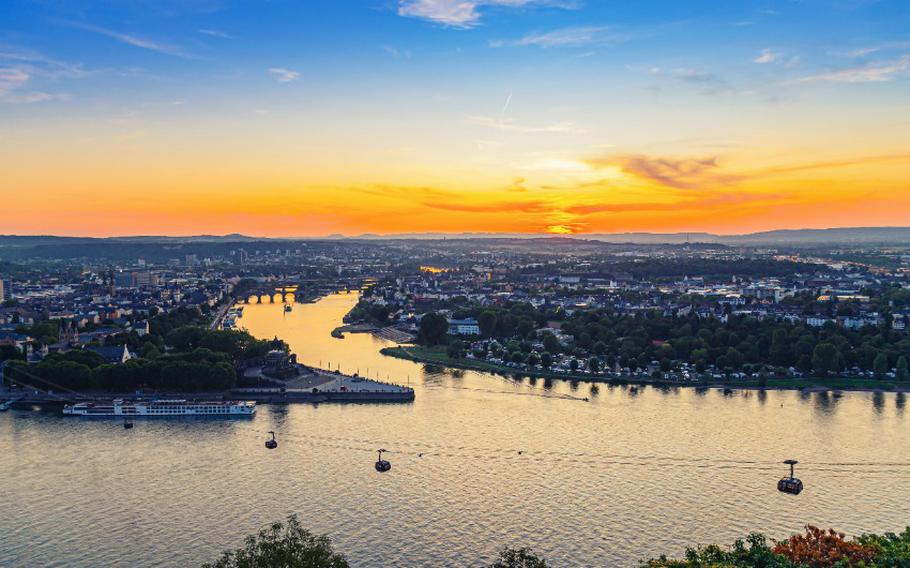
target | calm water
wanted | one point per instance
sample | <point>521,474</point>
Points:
<point>600,483</point>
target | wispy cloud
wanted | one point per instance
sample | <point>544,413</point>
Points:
<point>707,173</point>
<point>516,206</point>
<point>465,13</point>
<point>217,33</point>
<point>396,52</point>
<point>767,55</point>
<point>513,126</point>
<point>12,79</point>
<point>709,83</point>
<point>13,83</point>
<point>21,68</point>
<point>869,50</point>
<point>565,37</point>
<point>870,73</point>
<point>39,65</point>
<point>679,173</point>
<point>133,40</point>
<point>284,75</point>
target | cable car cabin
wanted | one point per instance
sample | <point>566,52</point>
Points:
<point>271,444</point>
<point>381,464</point>
<point>790,485</point>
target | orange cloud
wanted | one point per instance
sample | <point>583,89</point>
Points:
<point>682,173</point>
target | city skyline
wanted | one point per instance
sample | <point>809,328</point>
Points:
<point>518,116</point>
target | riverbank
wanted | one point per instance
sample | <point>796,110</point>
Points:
<point>438,356</point>
<point>338,332</point>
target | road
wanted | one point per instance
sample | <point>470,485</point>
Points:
<point>219,315</point>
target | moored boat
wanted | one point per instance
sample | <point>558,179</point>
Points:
<point>162,408</point>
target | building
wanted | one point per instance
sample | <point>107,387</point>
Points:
<point>141,327</point>
<point>6,290</point>
<point>146,278</point>
<point>116,354</point>
<point>124,280</point>
<point>464,327</point>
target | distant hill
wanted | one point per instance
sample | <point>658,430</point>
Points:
<point>869,236</point>
<point>790,237</point>
<point>32,240</point>
<point>851,235</point>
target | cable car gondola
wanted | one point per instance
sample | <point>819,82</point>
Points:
<point>381,464</point>
<point>790,485</point>
<point>271,444</point>
<point>127,424</point>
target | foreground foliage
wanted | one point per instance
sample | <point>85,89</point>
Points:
<point>283,545</point>
<point>816,548</point>
<point>289,545</point>
<point>518,558</point>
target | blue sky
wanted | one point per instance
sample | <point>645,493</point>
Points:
<point>164,47</point>
<point>457,95</point>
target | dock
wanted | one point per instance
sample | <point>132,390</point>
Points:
<point>319,385</point>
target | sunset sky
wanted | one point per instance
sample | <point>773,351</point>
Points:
<point>306,117</point>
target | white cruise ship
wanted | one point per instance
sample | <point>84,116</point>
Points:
<point>126,408</point>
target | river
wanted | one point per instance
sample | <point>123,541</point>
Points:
<point>607,482</point>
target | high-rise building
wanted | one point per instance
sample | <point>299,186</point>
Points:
<point>145,278</point>
<point>124,280</point>
<point>6,290</point>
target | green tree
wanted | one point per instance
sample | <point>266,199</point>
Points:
<point>149,351</point>
<point>756,555</point>
<point>780,347</point>
<point>551,344</point>
<point>901,368</point>
<point>186,337</point>
<point>880,365</point>
<point>433,329</point>
<point>455,349</point>
<point>734,358</point>
<point>825,359</point>
<point>285,545</point>
<point>10,352</point>
<point>525,327</point>
<point>518,558</point>
<point>487,322</point>
<point>546,359</point>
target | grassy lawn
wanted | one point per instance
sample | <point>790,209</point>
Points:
<point>438,356</point>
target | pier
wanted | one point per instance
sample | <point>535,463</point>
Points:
<point>310,384</point>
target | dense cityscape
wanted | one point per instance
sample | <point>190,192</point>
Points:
<point>574,308</point>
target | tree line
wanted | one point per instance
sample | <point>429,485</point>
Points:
<point>607,337</point>
<point>180,354</point>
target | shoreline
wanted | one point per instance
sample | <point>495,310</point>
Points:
<point>801,384</point>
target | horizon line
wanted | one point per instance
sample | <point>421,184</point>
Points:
<point>492,234</point>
